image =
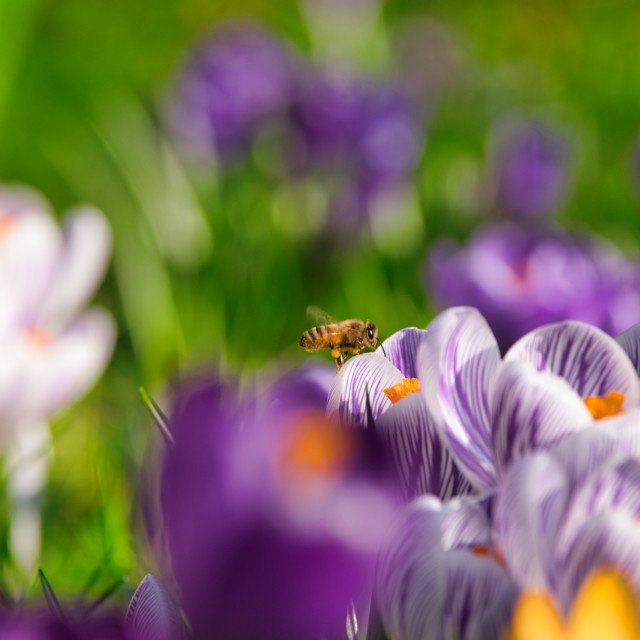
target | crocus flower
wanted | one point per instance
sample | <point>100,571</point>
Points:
<point>235,82</point>
<point>552,382</point>
<point>439,577</point>
<point>151,616</point>
<point>521,278</point>
<point>272,514</point>
<point>406,423</point>
<point>527,168</point>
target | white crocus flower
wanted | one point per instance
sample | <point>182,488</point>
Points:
<point>52,349</point>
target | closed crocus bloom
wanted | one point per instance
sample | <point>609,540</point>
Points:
<point>520,278</point>
<point>235,81</point>
<point>528,169</point>
<point>272,513</point>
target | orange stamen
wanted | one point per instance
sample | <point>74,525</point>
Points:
<point>605,607</point>
<point>317,445</point>
<point>6,222</point>
<point>605,406</point>
<point>483,551</point>
<point>402,389</point>
<point>38,338</point>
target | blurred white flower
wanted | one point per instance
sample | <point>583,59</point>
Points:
<point>53,350</point>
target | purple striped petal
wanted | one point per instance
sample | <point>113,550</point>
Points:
<point>592,362</point>
<point>532,410</point>
<point>583,452</point>
<point>151,612</point>
<point>402,350</point>
<point>426,592</point>
<point>367,373</point>
<point>465,524</point>
<point>457,360</point>
<point>421,457</point>
<point>528,513</point>
<point>608,539</point>
<point>615,487</point>
<point>630,342</point>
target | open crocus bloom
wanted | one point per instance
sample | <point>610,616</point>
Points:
<point>495,410</point>
<point>400,415</point>
<point>52,350</point>
<point>440,576</point>
<point>274,514</point>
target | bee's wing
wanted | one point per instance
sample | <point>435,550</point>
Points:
<point>318,317</point>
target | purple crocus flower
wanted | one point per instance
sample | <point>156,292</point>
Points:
<point>408,425</point>
<point>521,278</point>
<point>272,516</point>
<point>527,169</point>
<point>439,578</point>
<point>235,82</point>
<point>555,527</point>
<point>494,410</point>
<point>151,616</point>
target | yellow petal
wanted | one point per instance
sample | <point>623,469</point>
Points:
<point>605,608</point>
<point>536,618</point>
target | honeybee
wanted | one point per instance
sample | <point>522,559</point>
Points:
<point>341,338</point>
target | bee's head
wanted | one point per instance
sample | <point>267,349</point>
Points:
<point>370,334</point>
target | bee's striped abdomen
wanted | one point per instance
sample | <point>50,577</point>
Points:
<point>316,338</point>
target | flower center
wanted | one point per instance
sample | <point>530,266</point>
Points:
<point>602,407</point>
<point>605,607</point>
<point>37,338</point>
<point>402,389</point>
<point>6,222</point>
<point>317,445</point>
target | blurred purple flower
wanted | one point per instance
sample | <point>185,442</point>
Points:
<point>407,427</point>
<point>528,169</point>
<point>520,278</point>
<point>272,512</point>
<point>493,411</point>
<point>234,82</point>
<point>440,578</point>
<point>151,616</point>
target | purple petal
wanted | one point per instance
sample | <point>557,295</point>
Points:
<point>608,539</point>
<point>368,373</point>
<point>465,523</point>
<point>422,459</point>
<point>529,511</point>
<point>587,358</point>
<point>630,342</point>
<point>457,360</point>
<point>426,592</point>
<point>402,350</point>
<point>532,410</point>
<point>583,452</point>
<point>151,612</point>
<point>615,487</point>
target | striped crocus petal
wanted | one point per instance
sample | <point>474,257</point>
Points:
<point>368,373</point>
<point>582,453</point>
<point>421,457</point>
<point>532,410</point>
<point>614,487</point>
<point>151,613</point>
<point>610,539</point>
<point>457,360</point>
<point>630,342</point>
<point>401,350</point>
<point>426,592</point>
<point>528,513</point>
<point>592,362</point>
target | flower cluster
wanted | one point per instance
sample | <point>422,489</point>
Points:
<point>355,136</point>
<point>524,271</point>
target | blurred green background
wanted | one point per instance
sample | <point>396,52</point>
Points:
<point>210,268</point>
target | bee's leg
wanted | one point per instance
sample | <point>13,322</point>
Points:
<point>338,356</point>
